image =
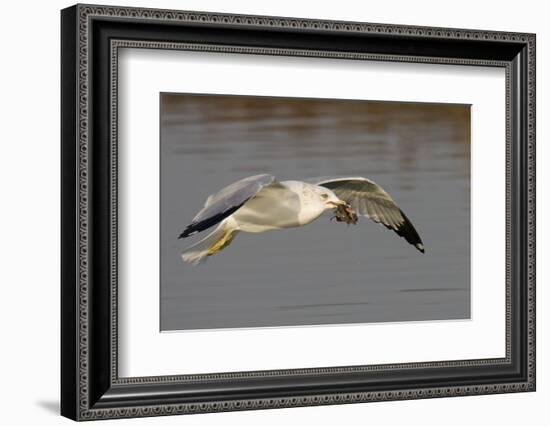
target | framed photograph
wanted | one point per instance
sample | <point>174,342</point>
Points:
<point>263,212</point>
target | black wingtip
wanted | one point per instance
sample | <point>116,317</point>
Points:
<point>196,227</point>
<point>187,232</point>
<point>410,234</point>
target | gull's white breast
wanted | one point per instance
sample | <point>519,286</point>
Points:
<point>286,205</point>
<point>311,205</point>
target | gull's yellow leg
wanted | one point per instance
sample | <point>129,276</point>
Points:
<point>222,243</point>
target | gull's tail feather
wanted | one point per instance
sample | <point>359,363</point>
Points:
<point>214,242</point>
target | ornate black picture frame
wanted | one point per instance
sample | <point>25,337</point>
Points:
<point>91,387</point>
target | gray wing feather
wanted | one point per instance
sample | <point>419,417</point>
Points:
<point>224,203</point>
<point>369,199</point>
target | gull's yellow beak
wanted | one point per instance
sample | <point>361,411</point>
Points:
<point>336,204</point>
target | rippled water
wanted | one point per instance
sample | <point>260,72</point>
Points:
<point>325,272</point>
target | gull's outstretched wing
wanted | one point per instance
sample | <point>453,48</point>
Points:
<point>370,200</point>
<point>224,203</point>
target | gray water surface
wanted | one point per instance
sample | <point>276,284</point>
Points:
<point>325,272</point>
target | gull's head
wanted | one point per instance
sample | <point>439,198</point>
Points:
<point>328,198</point>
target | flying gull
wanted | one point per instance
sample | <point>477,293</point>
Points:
<point>260,203</point>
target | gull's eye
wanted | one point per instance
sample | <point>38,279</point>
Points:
<point>324,196</point>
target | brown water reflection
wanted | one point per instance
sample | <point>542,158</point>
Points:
<point>324,272</point>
